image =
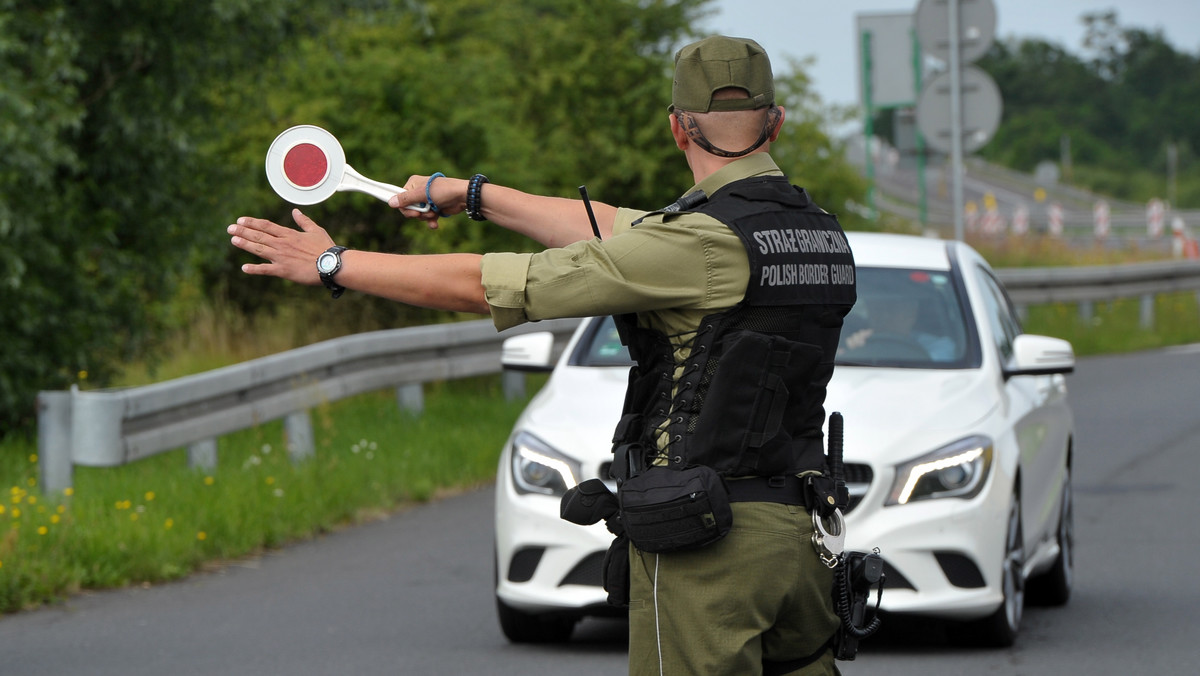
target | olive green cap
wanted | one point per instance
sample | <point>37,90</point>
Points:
<point>703,67</point>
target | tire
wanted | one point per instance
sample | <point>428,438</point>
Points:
<point>522,627</point>
<point>1053,588</point>
<point>1000,629</point>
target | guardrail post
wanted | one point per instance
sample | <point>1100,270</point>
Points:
<point>1147,311</point>
<point>297,430</point>
<point>1085,310</point>
<point>203,454</point>
<point>411,398</point>
<point>96,434</point>
<point>54,440</point>
<point>514,384</point>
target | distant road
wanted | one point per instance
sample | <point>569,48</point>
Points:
<point>413,594</point>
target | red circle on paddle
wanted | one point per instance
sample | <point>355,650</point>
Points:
<point>305,165</point>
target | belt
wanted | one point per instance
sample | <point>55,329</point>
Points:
<point>787,490</point>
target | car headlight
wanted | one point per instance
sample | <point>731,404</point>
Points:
<point>957,470</point>
<point>538,468</point>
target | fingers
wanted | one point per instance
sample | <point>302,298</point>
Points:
<point>249,235</point>
<point>306,224</point>
<point>258,269</point>
<point>447,194</point>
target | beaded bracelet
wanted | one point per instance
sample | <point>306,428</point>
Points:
<point>429,198</point>
<point>474,197</point>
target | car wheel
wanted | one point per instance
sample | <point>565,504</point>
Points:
<point>522,627</point>
<point>1000,628</point>
<point>1053,588</point>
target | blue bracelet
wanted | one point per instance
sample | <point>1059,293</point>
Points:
<point>429,198</point>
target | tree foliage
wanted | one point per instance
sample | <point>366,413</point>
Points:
<point>102,105</point>
<point>134,130</point>
<point>1120,102</point>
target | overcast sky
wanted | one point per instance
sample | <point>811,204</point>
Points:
<point>824,29</point>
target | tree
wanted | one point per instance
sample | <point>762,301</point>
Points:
<point>102,106</point>
<point>1121,104</point>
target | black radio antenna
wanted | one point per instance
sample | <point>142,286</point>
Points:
<point>587,203</point>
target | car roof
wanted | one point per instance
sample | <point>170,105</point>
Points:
<point>885,250</point>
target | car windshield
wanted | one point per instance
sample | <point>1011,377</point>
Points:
<point>907,318</point>
<point>601,346</point>
<point>903,318</point>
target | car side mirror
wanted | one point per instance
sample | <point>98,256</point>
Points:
<point>1039,356</point>
<point>529,352</point>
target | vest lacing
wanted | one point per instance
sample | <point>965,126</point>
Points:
<point>679,404</point>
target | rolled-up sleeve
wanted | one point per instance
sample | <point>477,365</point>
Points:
<point>504,276</point>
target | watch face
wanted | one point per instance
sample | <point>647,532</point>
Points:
<point>326,263</point>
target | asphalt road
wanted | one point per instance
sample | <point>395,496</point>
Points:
<point>412,594</point>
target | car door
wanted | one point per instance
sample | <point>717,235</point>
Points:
<point>1035,410</point>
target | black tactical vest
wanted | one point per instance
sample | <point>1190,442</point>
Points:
<point>750,398</point>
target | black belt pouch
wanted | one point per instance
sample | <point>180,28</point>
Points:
<point>667,510</point>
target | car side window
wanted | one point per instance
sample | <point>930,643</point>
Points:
<point>1003,321</point>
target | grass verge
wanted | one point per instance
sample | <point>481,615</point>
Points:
<point>158,520</point>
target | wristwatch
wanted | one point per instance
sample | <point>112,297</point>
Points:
<point>328,264</point>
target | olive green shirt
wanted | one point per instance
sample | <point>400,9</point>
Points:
<point>673,268</point>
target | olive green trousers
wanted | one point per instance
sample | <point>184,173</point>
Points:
<point>760,593</point>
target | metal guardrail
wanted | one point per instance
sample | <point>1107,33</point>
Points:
<point>105,428</point>
<point>1034,286</point>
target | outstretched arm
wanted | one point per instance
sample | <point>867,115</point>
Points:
<point>442,282</point>
<point>551,221</point>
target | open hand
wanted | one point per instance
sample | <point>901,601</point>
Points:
<point>291,253</point>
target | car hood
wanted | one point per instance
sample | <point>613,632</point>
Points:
<point>577,410</point>
<point>890,414</point>
<point>904,412</point>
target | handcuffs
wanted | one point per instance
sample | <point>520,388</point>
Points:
<point>830,541</point>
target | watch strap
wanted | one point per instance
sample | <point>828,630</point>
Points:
<point>327,277</point>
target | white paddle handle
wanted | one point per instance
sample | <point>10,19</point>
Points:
<point>352,180</point>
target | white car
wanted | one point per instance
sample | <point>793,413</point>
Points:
<point>958,451</point>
